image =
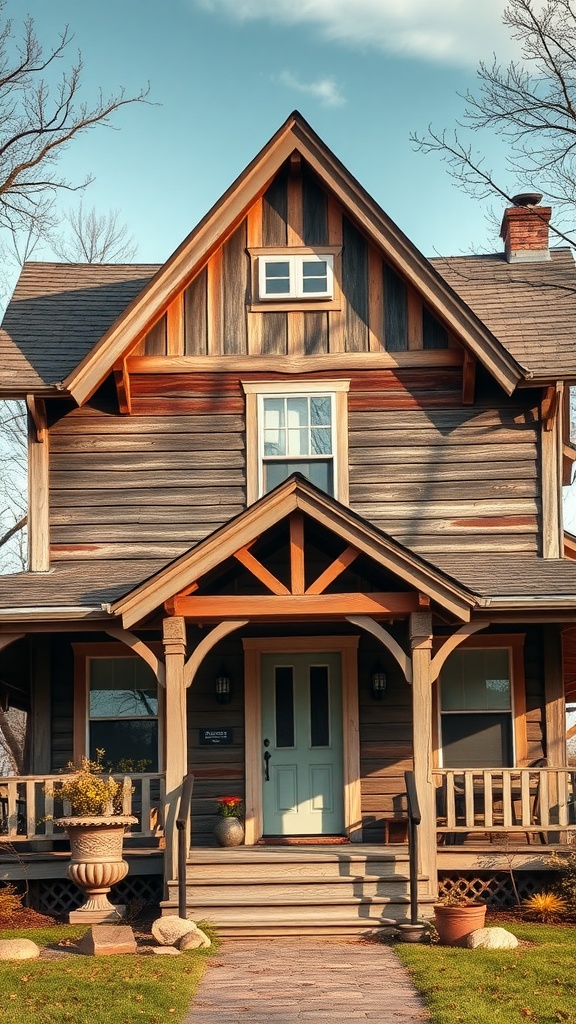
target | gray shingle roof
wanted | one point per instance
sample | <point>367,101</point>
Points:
<point>57,314</point>
<point>529,307</point>
<point>502,575</point>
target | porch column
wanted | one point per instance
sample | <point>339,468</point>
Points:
<point>554,697</point>
<point>176,760</point>
<point>421,644</point>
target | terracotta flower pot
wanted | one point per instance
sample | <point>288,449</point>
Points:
<point>454,923</point>
<point>229,832</point>
<point>96,859</point>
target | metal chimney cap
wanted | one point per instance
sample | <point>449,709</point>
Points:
<point>527,199</point>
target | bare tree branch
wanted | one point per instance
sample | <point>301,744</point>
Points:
<point>531,105</point>
<point>95,238</point>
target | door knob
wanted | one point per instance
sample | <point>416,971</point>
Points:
<point>267,756</point>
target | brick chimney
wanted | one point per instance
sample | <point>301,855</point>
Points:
<point>525,229</point>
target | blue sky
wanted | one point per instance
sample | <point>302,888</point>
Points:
<point>225,74</point>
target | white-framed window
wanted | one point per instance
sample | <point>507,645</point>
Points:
<point>298,427</point>
<point>302,276</point>
<point>122,715</point>
<point>476,709</point>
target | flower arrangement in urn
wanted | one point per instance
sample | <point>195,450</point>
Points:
<point>88,791</point>
<point>229,830</point>
<point>96,831</point>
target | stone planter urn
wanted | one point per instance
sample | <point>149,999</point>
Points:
<point>96,863</point>
<point>454,923</point>
<point>229,832</point>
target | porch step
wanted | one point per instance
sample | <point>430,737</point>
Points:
<point>268,890</point>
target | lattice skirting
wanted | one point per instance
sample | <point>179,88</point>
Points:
<point>495,889</point>
<point>58,896</point>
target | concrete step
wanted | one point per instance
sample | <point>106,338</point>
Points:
<point>302,890</point>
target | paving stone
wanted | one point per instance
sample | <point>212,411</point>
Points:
<point>302,981</point>
<point>107,940</point>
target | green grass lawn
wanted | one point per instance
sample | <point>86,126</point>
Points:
<point>532,983</point>
<point>96,990</point>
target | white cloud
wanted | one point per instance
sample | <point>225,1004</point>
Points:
<point>323,89</point>
<point>446,31</point>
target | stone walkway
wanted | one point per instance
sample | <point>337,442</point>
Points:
<point>305,981</point>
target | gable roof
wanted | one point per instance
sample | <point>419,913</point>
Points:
<point>296,493</point>
<point>294,135</point>
<point>529,307</point>
<point>57,314</point>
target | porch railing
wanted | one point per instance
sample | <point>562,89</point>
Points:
<point>29,805</point>
<point>505,799</point>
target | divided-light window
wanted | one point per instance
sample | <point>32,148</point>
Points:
<point>297,437</point>
<point>296,277</point>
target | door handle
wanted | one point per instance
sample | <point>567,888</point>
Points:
<point>267,756</point>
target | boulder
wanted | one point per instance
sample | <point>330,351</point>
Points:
<point>168,931</point>
<point>166,950</point>
<point>492,938</point>
<point>107,940</point>
<point>194,940</point>
<point>18,949</point>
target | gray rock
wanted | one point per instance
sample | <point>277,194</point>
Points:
<point>18,949</point>
<point>492,938</point>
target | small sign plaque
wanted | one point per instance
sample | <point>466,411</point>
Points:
<point>216,737</point>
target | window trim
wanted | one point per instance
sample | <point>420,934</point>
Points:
<point>283,303</point>
<point>514,644</point>
<point>256,391</point>
<point>295,276</point>
<point>83,653</point>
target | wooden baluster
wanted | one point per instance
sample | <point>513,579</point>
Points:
<point>469,799</point>
<point>507,798</point>
<point>544,798</point>
<point>525,805</point>
<point>49,808</point>
<point>488,808</point>
<point>30,811</point>
<point>146,826</point>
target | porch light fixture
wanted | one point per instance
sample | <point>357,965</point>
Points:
<point>379,682</point>
<point>223,688</point>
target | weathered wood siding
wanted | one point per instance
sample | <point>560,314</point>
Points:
<point>435,474</point>
<point>145,486</point>
<point>374,308</point>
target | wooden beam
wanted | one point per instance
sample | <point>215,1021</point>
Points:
<point>247,559</point>
<point>386,639</point>
<point>141,649</point>
<point>122,381</point>
<point>174,639</point>
<point>551,472</point>
<point>422,713</point>
<point>300,606</point>
<point>38,487</point>
<point>468,378</point>
<point>333,571</point>
<point>297,573</point>
<point>549,406</point>
<point>336,360</point>
<point>555,703</point>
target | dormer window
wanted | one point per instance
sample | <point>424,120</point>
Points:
<point>309,276</point>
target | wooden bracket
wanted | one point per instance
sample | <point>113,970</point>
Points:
<point>122,379</point>
<point>37,411</point>
<point>550,402</point>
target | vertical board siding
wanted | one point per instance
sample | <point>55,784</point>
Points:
<point>235,276</point>
<point>275,212</point>
<point>156,343</point>
<point>275,334</point>
<point>196,316</point>
<point>355,288</point>
<point>315,209</point>
<point>315,333</point>
<point>434,334</point>
<point>395,311</point>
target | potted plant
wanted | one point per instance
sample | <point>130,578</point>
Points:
<point>229,830</point>
<point>96,831</point>
<point>455,916</point>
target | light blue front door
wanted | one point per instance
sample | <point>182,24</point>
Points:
<point>302,744</point>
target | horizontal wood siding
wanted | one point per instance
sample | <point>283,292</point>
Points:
<point>441,479</point>
<point>218,771</point>
<point>145,486</point>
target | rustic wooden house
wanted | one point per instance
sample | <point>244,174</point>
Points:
<point>295,527</point>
